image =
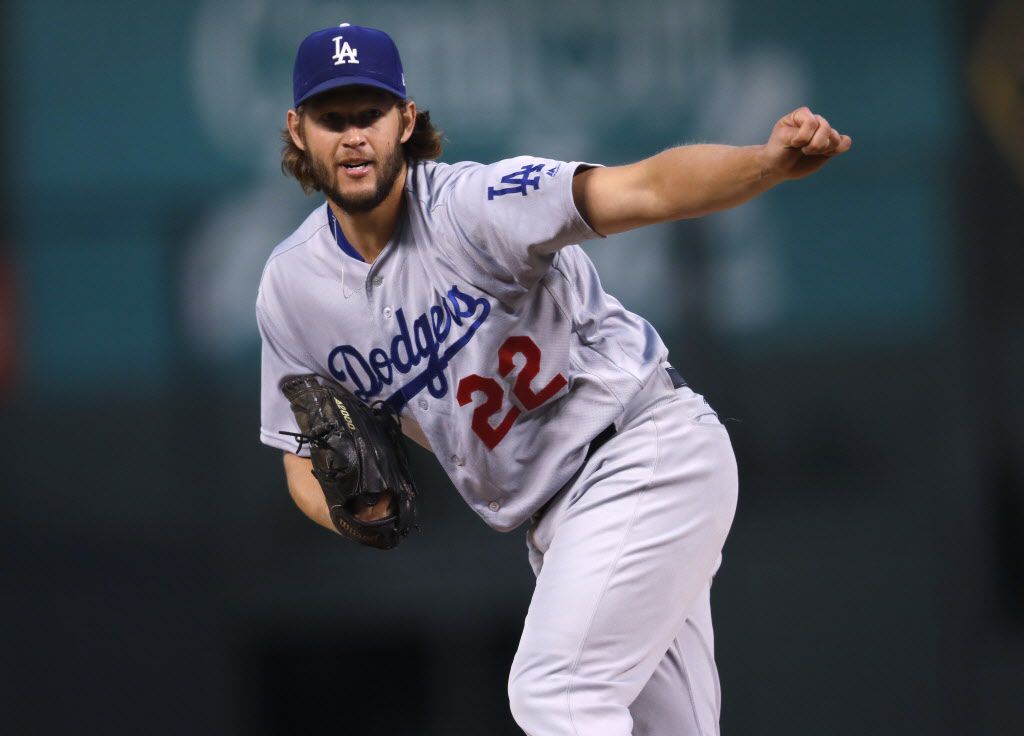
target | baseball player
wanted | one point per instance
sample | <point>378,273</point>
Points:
<point>458,296</point>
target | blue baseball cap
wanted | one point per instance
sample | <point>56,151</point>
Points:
<point>346,55</point>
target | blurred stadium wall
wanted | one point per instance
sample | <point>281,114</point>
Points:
<point>864,329</point>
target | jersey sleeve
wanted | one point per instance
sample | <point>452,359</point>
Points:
<point>513,215</point>
<point>276,364</point>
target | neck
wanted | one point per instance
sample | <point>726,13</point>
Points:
<point>369,232</point>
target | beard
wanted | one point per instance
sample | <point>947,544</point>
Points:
<point>387,170</point>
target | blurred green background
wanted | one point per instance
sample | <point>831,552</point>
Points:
<point>865,328</point>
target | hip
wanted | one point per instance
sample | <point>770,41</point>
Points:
<point>669,438</point>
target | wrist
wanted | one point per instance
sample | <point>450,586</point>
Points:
<point>769,171</point>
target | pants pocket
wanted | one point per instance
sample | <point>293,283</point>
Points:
<point>698,409</point>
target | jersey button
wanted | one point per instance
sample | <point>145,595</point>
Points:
<point>458,460</point>
<point>494,505</point>
<point>377,280</point>
<point>387,312</point>
<point>423,403</point>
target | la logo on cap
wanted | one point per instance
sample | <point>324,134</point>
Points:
<point>343,52</point>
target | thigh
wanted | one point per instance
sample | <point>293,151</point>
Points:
<point>683,697</point>
<point>624,556</point>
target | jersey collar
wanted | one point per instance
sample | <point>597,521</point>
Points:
<point>339,236</point>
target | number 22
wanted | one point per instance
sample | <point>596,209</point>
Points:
<point>494,395</point>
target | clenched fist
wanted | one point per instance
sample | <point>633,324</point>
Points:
<point>801,143</point>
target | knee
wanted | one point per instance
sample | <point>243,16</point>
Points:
<point>525,699</point>
<point>544,703</point>
<point>537,697</point>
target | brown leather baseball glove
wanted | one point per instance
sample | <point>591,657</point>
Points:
<point>358,455</point>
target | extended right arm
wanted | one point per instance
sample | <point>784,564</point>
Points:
<point>693,181</point>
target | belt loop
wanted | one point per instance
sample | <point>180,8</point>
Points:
<point>606,434</point>
<point>677,380</point>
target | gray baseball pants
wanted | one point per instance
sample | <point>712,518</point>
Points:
<point>618,637</point>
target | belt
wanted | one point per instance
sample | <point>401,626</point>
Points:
<point>603,436</point>
<point>608,432</point>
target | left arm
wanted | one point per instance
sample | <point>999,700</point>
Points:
<point>696,180</point>
<point>307,494</point>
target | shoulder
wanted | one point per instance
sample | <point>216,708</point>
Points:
<point>470,182</point>
<point>437,179</point>
<point>288,254</point>
<point>430,182</point>
<point>519,175</point>
<point>313,224</point>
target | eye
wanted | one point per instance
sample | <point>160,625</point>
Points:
<point>368,117</point>
<point>334,121</point>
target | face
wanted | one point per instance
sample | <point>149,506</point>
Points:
<point>354,139</point>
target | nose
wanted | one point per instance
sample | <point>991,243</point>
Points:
<point>352,136</point>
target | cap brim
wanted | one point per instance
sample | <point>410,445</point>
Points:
<point>337,83</point>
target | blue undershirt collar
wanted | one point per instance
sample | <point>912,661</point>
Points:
<point>339,237</point>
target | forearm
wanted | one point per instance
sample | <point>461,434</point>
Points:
<point>307,494</point>
<point>691,181</point>
<point>305,490</point>
<point>682,182</point>
<point>696,180</point>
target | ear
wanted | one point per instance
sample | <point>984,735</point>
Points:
<point>294,123</point>
<point>408,120</point>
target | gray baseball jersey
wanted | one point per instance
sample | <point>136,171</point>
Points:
<point>482,321</point>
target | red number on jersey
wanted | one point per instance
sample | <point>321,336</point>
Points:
<point>523,345</point>
<point>494,396</point>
